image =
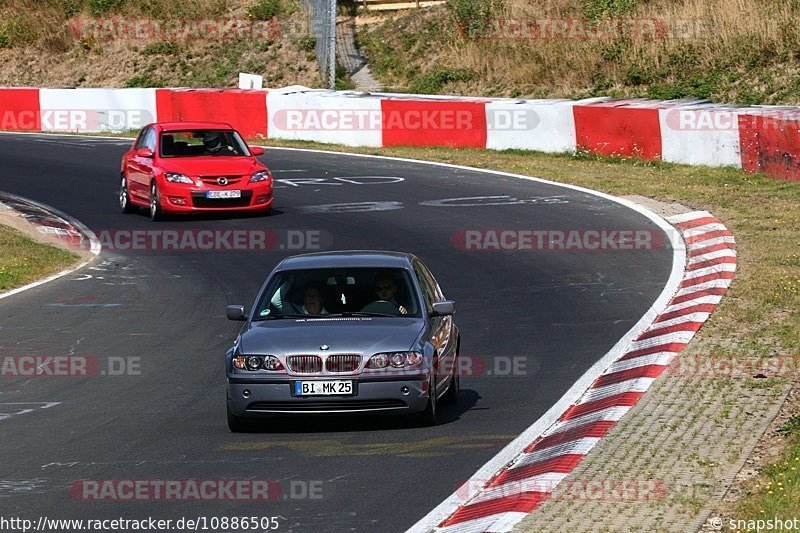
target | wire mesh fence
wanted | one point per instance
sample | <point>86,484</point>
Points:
<point>322,14</point>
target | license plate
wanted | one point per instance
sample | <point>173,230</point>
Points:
<point>323,388</point>
<point>223,194</point>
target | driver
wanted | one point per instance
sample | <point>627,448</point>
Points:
<point>386,289</point>
<point>212,140</point>
<point>313,300</point>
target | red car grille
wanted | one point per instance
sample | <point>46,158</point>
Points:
<point>214,180</point>
<point>342,363</point>
<point>304,364</point>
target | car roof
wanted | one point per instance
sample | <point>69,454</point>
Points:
<point>348,259</point>
<point>182,126</point>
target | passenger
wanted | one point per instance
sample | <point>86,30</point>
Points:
<point>386,289</point>
<point>167,145</point>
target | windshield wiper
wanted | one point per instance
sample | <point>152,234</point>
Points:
<point>360,313</point>
<point>277,317</point>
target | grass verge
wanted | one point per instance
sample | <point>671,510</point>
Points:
<point>777,492</point>
<point>725,50</point>
<point>202,43</point>
<point>23,260</point>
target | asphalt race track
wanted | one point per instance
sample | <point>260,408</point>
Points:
<point>557,312</point>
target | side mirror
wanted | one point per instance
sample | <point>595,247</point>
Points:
<point>256,150</point>
<point>144,152</point>
<point>235,312</point>
<point>446,308</point>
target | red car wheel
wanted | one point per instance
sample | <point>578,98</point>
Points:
<point>156,211</point>
<point>124,197</point>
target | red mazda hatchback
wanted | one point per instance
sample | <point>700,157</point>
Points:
<point>192,167</point>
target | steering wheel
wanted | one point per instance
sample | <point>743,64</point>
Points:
<point>384,307</point>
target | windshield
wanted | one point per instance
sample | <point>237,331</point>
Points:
<point>202,143</point>
<point>338,292</point>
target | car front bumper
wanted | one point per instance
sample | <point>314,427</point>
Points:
<point>384,396</point>
<point>180,199</point>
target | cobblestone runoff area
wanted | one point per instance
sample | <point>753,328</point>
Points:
<point>670,461</point>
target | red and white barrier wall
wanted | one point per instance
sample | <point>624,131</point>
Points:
<point>542,125</point>
<point>96,109</point>
<point>298,113</point>
<point>756,139</point>
<point>244,110</point>
<point>20,110</point>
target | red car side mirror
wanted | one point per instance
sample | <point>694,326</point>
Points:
<point>256,150</point>
<point>144,152</point>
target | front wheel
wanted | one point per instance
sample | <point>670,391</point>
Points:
<point>430,416</point>
<point>156,211</point>
<point>451,396</point>
<point>125,204</point>
<point>237,424</point>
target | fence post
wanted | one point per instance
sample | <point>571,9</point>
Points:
<point>332,44</point>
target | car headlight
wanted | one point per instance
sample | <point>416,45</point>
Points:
<point>379,360</point>
<point>413,358</point>
<point>271,363</point>
<point>178,178</point>
<point>262,175</point>
<point>395,360</point>
<point>254,363</point>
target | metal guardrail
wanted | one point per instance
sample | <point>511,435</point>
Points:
<point>322,14</point>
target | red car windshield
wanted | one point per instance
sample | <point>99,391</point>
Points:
<point>202,143</point>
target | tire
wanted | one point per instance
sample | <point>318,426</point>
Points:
<point>451,396</point>
<point>430,416</point>
<point>125,204</point>
<point>156,211</point>
<point>237,424</point>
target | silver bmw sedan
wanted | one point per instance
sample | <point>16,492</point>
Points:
<point>344,332</point>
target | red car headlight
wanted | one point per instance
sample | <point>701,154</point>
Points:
<point>178,178</point>
<point>262,175</point>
